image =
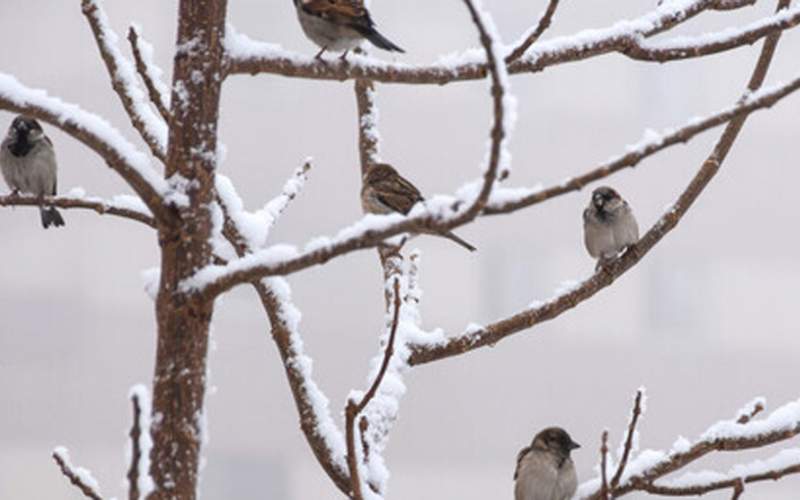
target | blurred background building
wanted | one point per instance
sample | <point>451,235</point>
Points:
<point>706,322</point>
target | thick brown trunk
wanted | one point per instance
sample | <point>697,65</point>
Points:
<point>183,320</point>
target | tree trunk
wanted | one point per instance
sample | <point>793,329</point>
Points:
<point>183,320</point>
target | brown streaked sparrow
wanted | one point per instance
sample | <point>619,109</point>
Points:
<point>384,191</point>
<point>28,163</point>
<point>544,469</point>
<point>609,225</point>
<point>339,25</point>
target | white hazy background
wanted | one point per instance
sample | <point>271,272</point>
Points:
<point>706,322</point>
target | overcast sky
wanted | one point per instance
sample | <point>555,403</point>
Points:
<point>706,322</point>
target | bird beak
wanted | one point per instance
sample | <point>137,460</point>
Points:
<point>574,446</point>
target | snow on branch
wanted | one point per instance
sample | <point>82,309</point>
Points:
<point>354,409</point>
<point>323,436</point>
<point>140,484</point>
<point>439,215</point>
<point>369,138</point>
<point>713,43</point>
<point>149,72</point>
<point>123,78</point>
<point>125,206</point>
<point>480,336</point>
<point>646,471</point>
<point>81,478</point>
<point>245,55</point>
<point>96,133</point>
<point>506,200</point>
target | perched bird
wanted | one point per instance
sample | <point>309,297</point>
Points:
<point>384,191</point>
<point>544,469</point>
<point>608,225</point>
<point>339,25</point>
<point>28,163</point>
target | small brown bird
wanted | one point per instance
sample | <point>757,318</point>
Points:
<point>384,191</point>
<point>339,25</point>
<point>544,469</point>
<point>609,225</point>
<point>28,164</point>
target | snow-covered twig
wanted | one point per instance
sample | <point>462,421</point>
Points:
<point>353,409</point>
<point>126,206</point>
<point>729,435</point>
<point>506,200</point>
<point>96,133</point>
<point>326,441</point>
<point>714,43</point>
<point>81,478</point>
<point>544,22</point>
<point>629,438</point>
<point>140,484</point>
<point>149,72</point>
<point>368,135</point>
<point>473,338</point>
<point>603,466</point>
<point>123,78</point>
<point>246,56</point>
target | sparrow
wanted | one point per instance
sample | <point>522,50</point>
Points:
<point>384,191</point>
<point>608,225</point>
<point>28,164</point>
<point>544,469</point>
<point>339,25</point>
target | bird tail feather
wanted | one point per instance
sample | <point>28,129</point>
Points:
<point>450,235</point>
<point>382,42</point>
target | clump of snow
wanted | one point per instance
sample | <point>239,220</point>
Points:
<point>151,278</point>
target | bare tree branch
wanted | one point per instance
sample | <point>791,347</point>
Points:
<point>649,146</point>
<point>540,56</point>
<point>626,452</point>
<point>353,409</point>
<point>541,27</point>
<point>136,451</point>
<point>317,428</point>
<point>603,473</point>
<point>495,332</point>
<point>123,78</point>
<point>102,207</point>
<point>79,477</point>
<point>156,89</point>
<point>97,134</point>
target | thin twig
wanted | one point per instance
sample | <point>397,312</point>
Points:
<point>604,491</point>
<point>74,477</point>
<point>147,75</point>
<point>136,450</point>
<point>102,207</point>
<point>626,452</point>
<point>541,27</point>
<point>142,118</point>
<point>353,409</point>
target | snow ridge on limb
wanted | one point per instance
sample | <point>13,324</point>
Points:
<point>122,72</point>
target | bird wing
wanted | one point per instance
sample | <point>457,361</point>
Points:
<point>397,193</point>
<point>350,13</point>
<point>626,230</point>
<point>520,456</point>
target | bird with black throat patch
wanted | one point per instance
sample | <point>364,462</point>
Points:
<point>384,191</point>
<point>609,225</point>
<point>339,26</point>
<point>545,470</point>
<point>28,164</point>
